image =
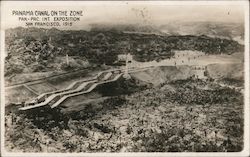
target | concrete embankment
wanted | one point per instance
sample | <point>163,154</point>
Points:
<point>163,74</point>
<point>231,70</point>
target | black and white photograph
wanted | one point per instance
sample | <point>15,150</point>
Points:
<point>124,77</point>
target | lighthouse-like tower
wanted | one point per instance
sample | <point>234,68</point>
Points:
<point>67,59</point>
<point>127,66</point>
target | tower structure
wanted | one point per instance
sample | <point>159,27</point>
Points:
<point>67,59</point>
<point>127,66</point>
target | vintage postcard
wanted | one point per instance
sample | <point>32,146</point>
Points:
<point>124,78</point>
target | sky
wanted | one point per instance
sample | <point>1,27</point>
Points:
<point>141,12</point>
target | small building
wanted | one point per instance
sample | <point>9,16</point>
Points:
<point>124,57</point>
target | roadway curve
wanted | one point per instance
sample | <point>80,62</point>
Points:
<point>55,98</point>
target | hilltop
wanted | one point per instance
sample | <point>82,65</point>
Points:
<point>38,49</point>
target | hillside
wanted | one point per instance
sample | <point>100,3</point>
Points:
<point>216,29</point>
<point>181,116</point>
<point>37,50</point>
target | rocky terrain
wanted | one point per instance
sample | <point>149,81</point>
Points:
<point>171,108</point>
<point>42,50</point>
<point>184,115</point>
